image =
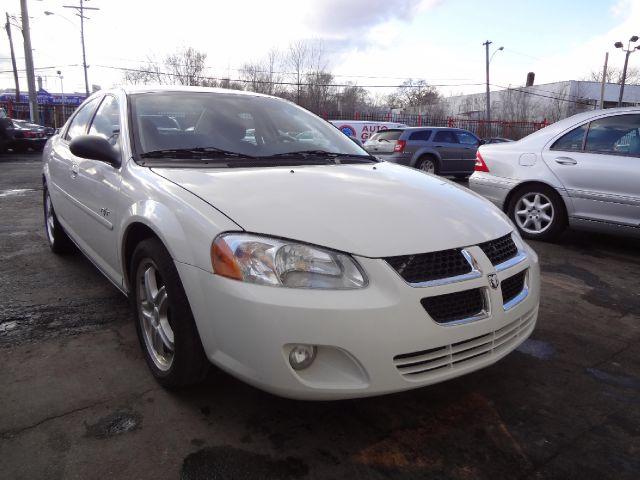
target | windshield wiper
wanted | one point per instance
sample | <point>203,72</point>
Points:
<point>334,156</point>
<point>194,153</point>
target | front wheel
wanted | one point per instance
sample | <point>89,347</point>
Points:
<point>538,212</point>
<point>165,324</point>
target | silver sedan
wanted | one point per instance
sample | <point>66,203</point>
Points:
<point>583,172</point>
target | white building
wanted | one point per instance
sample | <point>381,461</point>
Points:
<point>550,101</point>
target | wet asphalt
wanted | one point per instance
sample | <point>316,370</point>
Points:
<point>77,401</point>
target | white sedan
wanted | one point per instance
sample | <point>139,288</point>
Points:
<point>306,268</point>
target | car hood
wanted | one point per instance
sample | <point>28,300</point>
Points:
<point>369,210</point>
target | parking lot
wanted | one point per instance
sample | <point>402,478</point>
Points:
<point>78,401</point>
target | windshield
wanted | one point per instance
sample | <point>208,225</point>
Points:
<point>203,125</point>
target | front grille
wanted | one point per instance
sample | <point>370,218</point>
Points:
<point>451,307</point>
<point>422,365</point>
<point>512,286</point>
<point>499,250</point>
<point>424,267</point>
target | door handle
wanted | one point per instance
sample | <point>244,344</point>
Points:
<point>438,146</point>
<point>566,161</point>
<point>74,170</point>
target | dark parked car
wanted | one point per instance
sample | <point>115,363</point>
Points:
<point>443,151</point>
<point>23,136</point>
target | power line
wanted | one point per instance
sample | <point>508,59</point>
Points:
<point>150,61</point>
<point>241,80</point>
<point>42,68</point>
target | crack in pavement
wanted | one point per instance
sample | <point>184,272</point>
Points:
<point>14,432</point>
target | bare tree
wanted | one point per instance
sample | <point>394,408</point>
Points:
<point>614,75</point>
<point>186,66</point>
<point>149,73</point>
<point>183,67</point>
<point>353,98</point>
<point>418,96</point>
<point>263,76</point>
<point>297,60</point>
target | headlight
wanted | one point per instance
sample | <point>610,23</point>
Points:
<point>281,263</point>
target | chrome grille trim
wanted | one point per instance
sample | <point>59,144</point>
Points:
<point>421,366</point>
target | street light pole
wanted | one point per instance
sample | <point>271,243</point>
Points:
<point>624,77</point>
<point>7,26</point>
<point>62,93</point>
<point>28,60</point>
<point>628,52</point>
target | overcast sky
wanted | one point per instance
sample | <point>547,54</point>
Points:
<point>436,40</point>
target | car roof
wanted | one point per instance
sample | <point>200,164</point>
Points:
<point>417,129</point>
<point>544,134</point>
<point>133,89</point>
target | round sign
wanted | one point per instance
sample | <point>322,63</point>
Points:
<point>347,130</point>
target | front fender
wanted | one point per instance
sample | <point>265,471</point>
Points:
<point>186,229</point>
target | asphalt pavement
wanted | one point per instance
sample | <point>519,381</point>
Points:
<point>77,400</point>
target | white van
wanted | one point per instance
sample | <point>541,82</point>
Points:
<point>362,130</point>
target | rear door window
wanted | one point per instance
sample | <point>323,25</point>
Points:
<point>445,136</point>
<point>422,135</point>
<point>572,141</point>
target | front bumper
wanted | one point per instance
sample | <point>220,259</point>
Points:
<point>363,336</point>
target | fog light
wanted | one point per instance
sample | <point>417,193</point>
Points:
<point>302,356</point>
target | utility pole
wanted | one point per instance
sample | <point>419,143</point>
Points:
<point>604,79</point>
<point>80,12</point>
<point>28,60</point>
<point>488,96</point>
<point>7,26</point>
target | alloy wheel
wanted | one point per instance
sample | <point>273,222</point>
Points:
<point>534,213</point>
<point>153,311</point>
<point>49,219</point>
<point>427,166</point>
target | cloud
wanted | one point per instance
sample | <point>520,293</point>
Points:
<point>349,23</point>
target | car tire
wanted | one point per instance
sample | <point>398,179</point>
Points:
<point>538,212</point>
<point>58,240</point>
<point>166,328</point>
<point>428,164</point>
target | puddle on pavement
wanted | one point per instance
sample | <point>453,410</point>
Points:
<point>228,462</point>
<point>15,192</point>
<point>614,380</point>
<point>114,424</point>
<point>537,348</point>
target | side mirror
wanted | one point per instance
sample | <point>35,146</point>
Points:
<point>94,147</point>
<point>481,142</point>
